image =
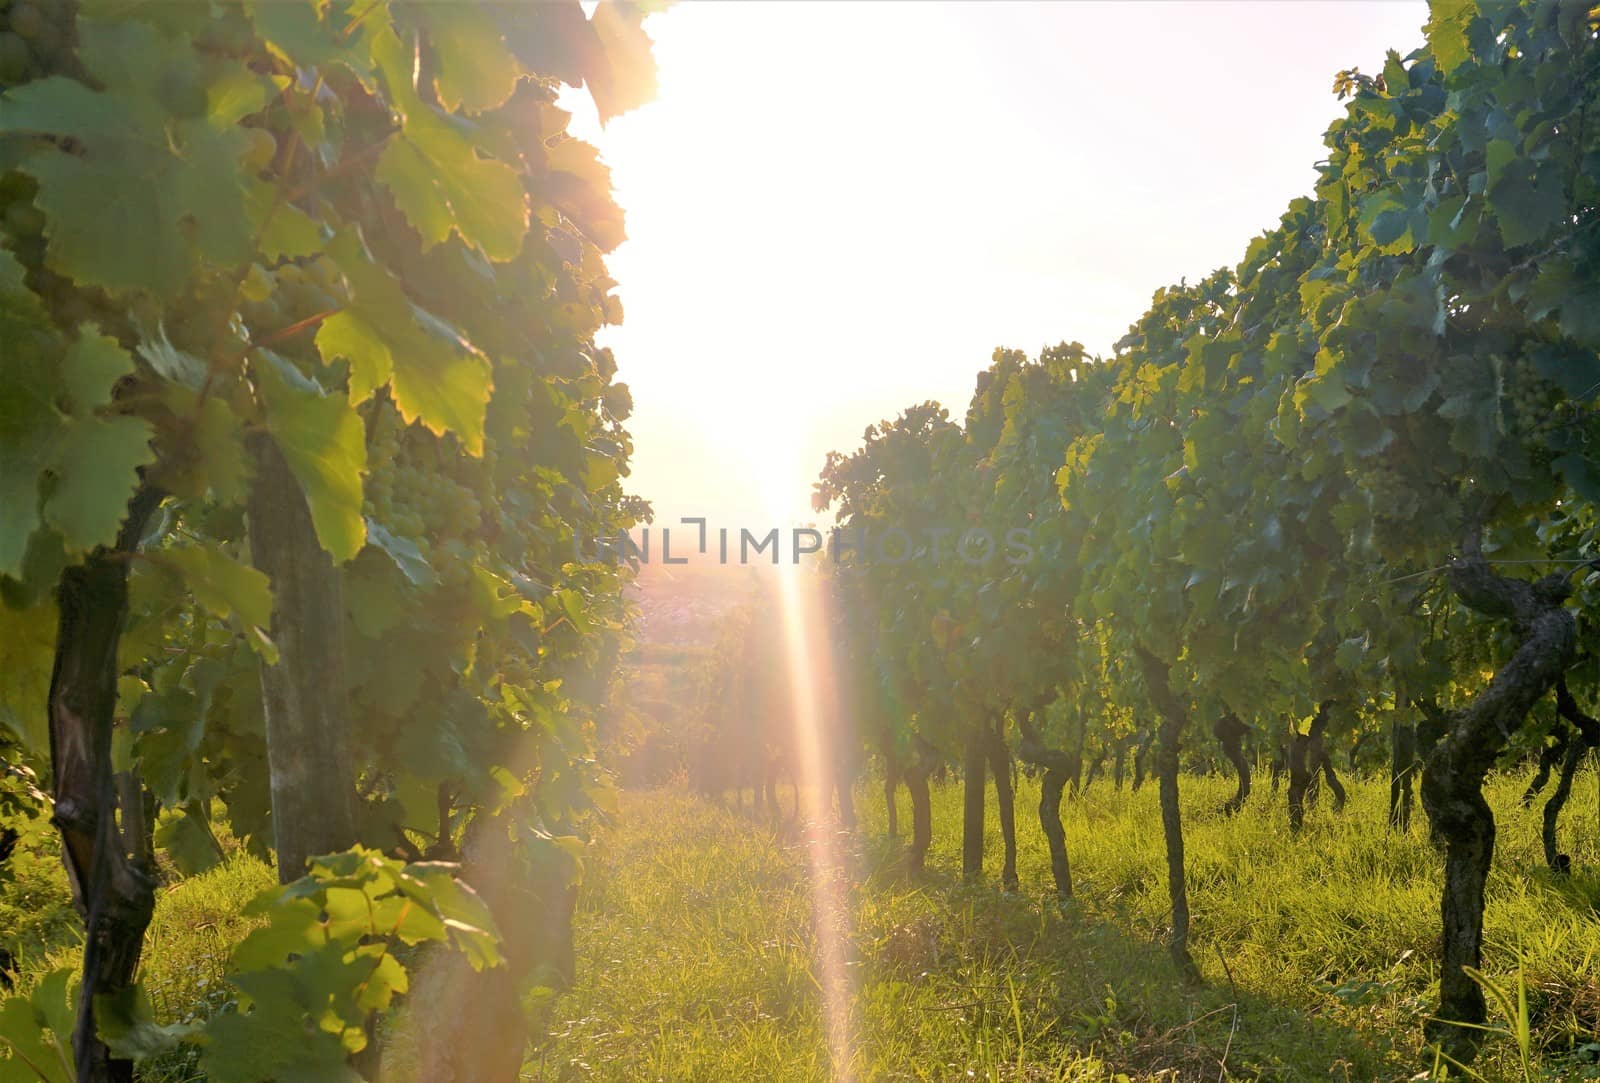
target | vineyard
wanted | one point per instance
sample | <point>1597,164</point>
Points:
<point>1277,620</point>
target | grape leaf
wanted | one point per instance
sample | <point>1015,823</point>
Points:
<point>1527,201</point>
<point>622,74</point>
<point>441,185</point>
<point>436,177</point>
<point>48,431</point>
<point>93,364</point>
<point>187,842</point>
<point>579,184</point>
<point>229,589</point>
<point>405,554</point>
<point>475,71</point>
<point>27,653</point>
<point>324,443</point>
<point>1447,31</point>
<point>295,30</point>
<point>96,471</point>
<point>164,190</point>
<point>36,1030</point>
<point>434,375</point>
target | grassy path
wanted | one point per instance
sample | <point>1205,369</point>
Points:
<point>699,943</point>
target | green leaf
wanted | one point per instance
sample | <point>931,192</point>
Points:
<point>434,375</point>
<point>127,1024</point>
<point>272,1042</point>
<point>295,30</point>
<point>442,186</point>
<point>405,554</point>
<point>36,1030</point>
<point>93,364</point>
<point>234,96</point>
<point>622,71</point>
<point>1447,31</point>
<point>286,231</point>
<point>1388,220</point>
<point>1575,371</point>
<point>96,471</point>
<point>466,917</point>
<point>1581,474</point>
<point>1350,654</point>
<point>437,178</point>
<point>324,442</point>
<point>226,587</point>
<point>27,653</point>
<point>51,440</point>
<point>184,839</point>
<point>474,71</point>
<point>579,185</point>
<point>219,459</point>
<point>1327,392</point>
<point>1528,201</point>
<point>148,193</point>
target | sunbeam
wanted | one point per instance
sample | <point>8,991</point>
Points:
<point>810,682</point>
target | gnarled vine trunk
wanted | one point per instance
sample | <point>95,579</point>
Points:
<point>1402,773</point>
<point>1572,755</point>
<point>1174,717</point>
<point>1230,733</point>
<point>304,694</point>
<point>1309,763</point>
<point>1452,781</point>
<point>1331,777</point>
<point>891,782</point>
<point>1055,764</point>
<point>1318,759</point>
<point>972,804</point>
<point>1096,769</point>
<point>1141,754</point>
<point>1000,766</point>
<point>916,774</point>
<point>1549,756</point>
<point>114,892</point>
<point>1299,777</point>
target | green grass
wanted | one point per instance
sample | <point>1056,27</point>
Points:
<point>698,947</point>
<point>197,921</point>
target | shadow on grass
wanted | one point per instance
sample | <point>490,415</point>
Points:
<point>1046,974</point>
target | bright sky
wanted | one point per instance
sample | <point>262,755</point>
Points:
<point>836,210</point>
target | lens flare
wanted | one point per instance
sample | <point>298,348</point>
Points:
<point>813,705</point>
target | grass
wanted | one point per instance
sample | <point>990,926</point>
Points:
<point>698,945</point>
<point>197,921</point>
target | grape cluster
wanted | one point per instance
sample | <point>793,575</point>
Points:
<point>21,223</point>
<point>36,39</point>
<point>22,226</point>
<point>227,33</point>
<point>414,497</point>
<point>1392,495</point>
<point>428,503</point>
<point>1535,408</point>
<point>299,292</point>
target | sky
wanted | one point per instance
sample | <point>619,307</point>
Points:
<point>837,210</point>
